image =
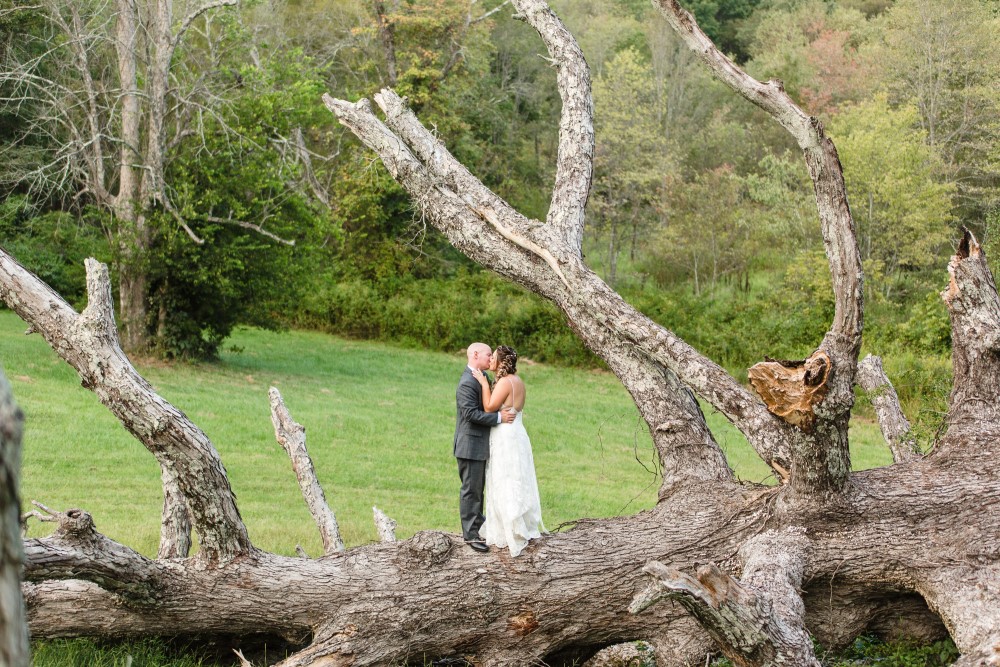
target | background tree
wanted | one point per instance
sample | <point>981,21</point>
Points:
<point>631,159</point>
<point>902,207</point>
<point>936,57</point>
<point>116,93</point>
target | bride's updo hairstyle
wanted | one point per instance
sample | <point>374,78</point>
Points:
<point>506,361</point>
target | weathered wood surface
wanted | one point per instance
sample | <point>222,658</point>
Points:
<point>13,621</point>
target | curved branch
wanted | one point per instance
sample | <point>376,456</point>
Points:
<point>575,159</point>
<point>190,18</point>
<point>843,341</point>
<point>89,343</point>
<point>891,420</point>
<point>292,437</point>
<point>251,226</point>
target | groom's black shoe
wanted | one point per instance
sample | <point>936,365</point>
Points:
<point>478,545</point>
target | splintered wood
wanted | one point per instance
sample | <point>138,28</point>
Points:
<point>791,389</point>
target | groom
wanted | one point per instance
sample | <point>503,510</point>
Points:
<point>472,443</point>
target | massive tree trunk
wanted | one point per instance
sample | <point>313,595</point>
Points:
<point>717,565</point>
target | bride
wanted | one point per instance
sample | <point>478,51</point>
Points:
<point>513,509</point>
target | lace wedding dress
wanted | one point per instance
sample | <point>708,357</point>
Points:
<point>513,509</point>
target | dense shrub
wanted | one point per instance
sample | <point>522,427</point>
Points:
<point>447,314</point>
<point>52,246</point>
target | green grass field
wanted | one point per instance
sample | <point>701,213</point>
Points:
<point>379,426</point>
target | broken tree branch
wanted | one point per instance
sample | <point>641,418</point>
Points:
<point>190,18</point>
<point>974,307</point>
<point>385,526</point>
<point>891,420</point>
<point>292,437</point>
<point>77,551</point>
<point>89,343</point>
<point>757,622</point>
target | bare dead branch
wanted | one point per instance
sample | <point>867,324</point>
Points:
<point>77,551</point>
<point>385,526</point>
<point>756,622</point>
<point>891,420</point>
<point>292,438</point>
<point>249,225</point>
<point>491,12</point>
<point>190,18</point>
<point>575,159</point>
<point>974,307</point>
<point>89,343</point>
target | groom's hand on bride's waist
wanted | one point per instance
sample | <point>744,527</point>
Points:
<point>507,416</point>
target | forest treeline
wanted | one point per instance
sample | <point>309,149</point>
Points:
<point>190,150</point>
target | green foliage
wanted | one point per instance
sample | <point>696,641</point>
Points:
<point>902,208</point>
<point>873,651</point>
<point>903,653</point>
<point>52,245</point>
<point>136,653</point>
<point>447,315</point>
<point>200,291</point>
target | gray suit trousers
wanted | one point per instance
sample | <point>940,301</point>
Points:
<point>470,499</point>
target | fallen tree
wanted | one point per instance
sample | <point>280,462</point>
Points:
<point>717,565</point>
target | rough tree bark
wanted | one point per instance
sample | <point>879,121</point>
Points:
<point>717,565</point>
<point>13,622</point>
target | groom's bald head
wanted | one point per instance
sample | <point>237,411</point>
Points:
<point>479,355</point>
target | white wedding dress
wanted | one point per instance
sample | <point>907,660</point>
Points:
<point>513,509</point>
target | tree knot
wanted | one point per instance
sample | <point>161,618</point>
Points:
<point>523,623</point>
<point>429,547</point>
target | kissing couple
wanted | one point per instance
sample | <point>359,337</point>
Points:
<point>494,454</point>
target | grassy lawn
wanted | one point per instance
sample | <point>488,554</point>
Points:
<point>379,423</point>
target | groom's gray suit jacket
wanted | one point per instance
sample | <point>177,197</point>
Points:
<point>472,425</point>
